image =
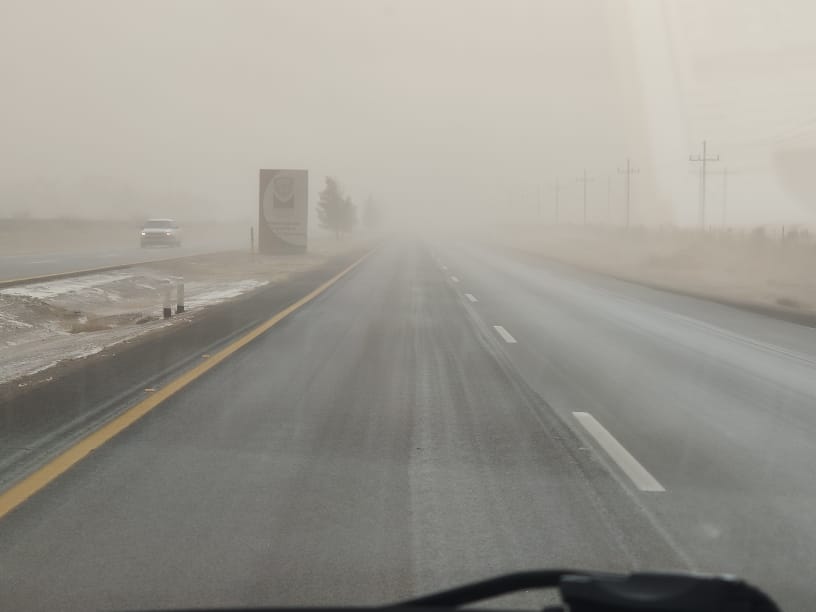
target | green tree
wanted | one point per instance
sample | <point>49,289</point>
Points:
<point>349,215</point>
<point>331,207</point>
<point>335,211</point>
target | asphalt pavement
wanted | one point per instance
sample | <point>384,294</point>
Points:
<point>445,412</point>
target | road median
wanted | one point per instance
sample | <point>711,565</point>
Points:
<point>44,412</point>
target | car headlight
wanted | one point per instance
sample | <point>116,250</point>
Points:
<point>168,233</point>
<point>144,233</point>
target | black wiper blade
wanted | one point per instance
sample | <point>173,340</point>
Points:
<point>488,589</point>
<point>602,592</point>
<point>662,593</point>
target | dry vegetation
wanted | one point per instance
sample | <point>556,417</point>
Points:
<point>756,266</point>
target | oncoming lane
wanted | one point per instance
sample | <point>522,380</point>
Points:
<point>29,266</point>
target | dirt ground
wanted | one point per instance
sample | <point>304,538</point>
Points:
<point>753,267</point>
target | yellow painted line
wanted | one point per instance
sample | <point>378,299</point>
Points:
<point>27,487</point>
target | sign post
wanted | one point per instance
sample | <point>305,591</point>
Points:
<point>283,211</point>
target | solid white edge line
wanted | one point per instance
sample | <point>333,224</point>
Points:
<point>454,279</point>
<point>638,474</point>
<point>471,297</point>
<point>505,334</point>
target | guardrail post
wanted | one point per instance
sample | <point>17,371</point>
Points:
<point>179,294</point>
<point>167,311</point>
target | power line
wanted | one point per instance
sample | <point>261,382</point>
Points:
<point>703,159</point>
<point>628,172</point>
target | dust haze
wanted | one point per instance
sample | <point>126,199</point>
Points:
<point>446,112</point>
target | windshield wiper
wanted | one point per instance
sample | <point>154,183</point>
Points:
<point>582,591</point>
<point>603,592</point>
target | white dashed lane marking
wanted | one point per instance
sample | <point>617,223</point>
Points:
<point>504,334</point>
<point>638,474</point>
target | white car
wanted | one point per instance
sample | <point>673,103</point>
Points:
<point>160,232</point>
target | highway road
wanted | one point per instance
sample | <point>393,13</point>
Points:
<point>445,412</point>
<point>29,265</point>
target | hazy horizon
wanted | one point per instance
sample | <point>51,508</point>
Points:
<point>436,109</point>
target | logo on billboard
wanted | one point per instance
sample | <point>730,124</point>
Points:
<point>283,191</point>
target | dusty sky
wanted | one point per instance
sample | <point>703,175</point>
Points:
<point>143,108</point>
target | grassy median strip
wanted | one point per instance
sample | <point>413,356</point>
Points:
<point>31,484</point>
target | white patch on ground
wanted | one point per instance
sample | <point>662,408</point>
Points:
<point>51,289</point>
<point>86,352</point>
<point>43,340</point>
<point>24,367</point>
<point>200,295</point>
<point>34,357</point>
<point>8,320</point>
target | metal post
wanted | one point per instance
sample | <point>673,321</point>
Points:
<point>584,180</point>
<point>704,161</point>
<point>179,295</point>
<point>628,194</point>
<point>703,187</point>
<point>167,311</point>
<point>252,240</point>
<point>609,200</point>
<point>628,172</point>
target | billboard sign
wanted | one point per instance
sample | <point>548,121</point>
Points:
<point>283,211</point>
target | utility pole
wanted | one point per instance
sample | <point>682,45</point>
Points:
<point>725,194</point>
<point>538,200</point>
<point>703,159</point>
<point>557,188</point>
<point>583,179</point>
<point>628,172</point>
<point>609,200</point>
